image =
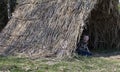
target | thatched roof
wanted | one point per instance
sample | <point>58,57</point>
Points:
<point>46,27</point>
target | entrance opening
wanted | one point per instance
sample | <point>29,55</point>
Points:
<point>102,27</point>
<point>82,46</point>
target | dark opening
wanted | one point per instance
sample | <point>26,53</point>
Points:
<point>83,44</point>
<point>102,27</point>
<point>4,12</point>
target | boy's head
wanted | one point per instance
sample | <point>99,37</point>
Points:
<point>85,38</point>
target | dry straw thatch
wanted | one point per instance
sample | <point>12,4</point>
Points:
<point>45,28</point>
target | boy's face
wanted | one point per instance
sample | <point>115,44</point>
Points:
<point>86,38</point>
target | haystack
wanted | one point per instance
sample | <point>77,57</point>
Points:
<point>52,28</point>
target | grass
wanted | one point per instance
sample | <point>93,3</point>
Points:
<point>77,64</point>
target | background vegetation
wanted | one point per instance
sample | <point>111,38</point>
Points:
<point>119,6</point>
<point>3,14</point>
<point>4,11</point>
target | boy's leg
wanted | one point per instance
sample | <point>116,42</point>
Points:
<point>85,53</point>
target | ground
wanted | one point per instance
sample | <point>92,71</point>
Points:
<point>96,63</point>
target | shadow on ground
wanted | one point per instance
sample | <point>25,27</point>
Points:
<point>115,54</point>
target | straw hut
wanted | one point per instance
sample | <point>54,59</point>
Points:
<point>53,28</point>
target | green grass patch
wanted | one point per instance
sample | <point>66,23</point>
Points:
<point>77,64</point>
